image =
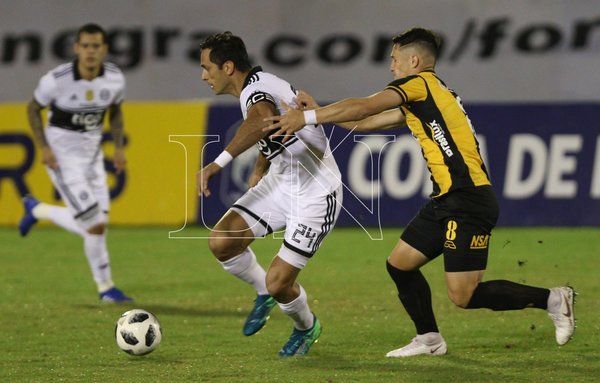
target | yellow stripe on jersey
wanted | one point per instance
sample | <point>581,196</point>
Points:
<point>438,121</point>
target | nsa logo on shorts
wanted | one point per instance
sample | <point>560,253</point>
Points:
<point>83,195</point>
<point>480,241</point>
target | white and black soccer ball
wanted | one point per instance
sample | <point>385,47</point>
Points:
<point>138,332</point>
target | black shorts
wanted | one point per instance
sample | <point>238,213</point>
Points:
<point>459,225</point>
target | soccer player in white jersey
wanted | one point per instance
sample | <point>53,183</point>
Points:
<point>78,95</point>
<point>294,187</point>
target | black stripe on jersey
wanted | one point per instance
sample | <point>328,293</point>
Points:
<point>438,132</point>
<point>79,121</point>
<point>62,72</point>
<point>259,96</point>
<point>110,67</point>
<point>252,76</point>
<point>66,192</point>
<point>329,217</point>
<point>274,146</point>
<point>88,213</point>
<point>297,250</point>
<point>395,85</point>
<point>256,217</point>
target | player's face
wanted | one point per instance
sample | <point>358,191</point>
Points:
<point>214,76</point>
<point>401,61</point>
<point>91,50</point>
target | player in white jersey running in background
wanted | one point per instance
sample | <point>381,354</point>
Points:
<point>78,95</point>
<point>295,186</point>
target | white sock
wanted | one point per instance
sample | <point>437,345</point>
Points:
<point>430,338</point>
<point>246,268</point>
<point>299,311</point>
<point>59,215</point>
<point>97,256</point>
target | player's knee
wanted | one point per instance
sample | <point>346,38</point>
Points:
<point>222,246</point>
<point>97,229</point>
<point>460,298</point>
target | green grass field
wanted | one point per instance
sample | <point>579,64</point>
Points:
<point>53,328</point>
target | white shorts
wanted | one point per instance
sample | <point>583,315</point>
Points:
<point>81,178</point>
<point>269,207</point>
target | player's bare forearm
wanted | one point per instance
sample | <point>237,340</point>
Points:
<point>388,119</point>
<point>34,116</point>
<point>116,126</point>
<point>116,130</point>
<point>350,109</point>
<point>251,130</point>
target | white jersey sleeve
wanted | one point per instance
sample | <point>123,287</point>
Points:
<point>118,77</point>
<point>46,91</point>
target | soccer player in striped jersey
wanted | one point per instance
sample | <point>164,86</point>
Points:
<point>78,95</point>
<point>296,187</point>
<point>458,220</point>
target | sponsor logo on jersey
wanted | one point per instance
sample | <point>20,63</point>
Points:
<point>480,241</point>
<point>440,137</point>
<point>89,121</point>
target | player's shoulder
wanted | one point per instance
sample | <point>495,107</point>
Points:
<point>61,71</point>
<point>265,82</point>
<point>403,80</point>
<point>112,69</point>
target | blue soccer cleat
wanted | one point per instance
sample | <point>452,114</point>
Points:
<point>28,220</point>
<point>114,295</point>
<point>301,341</point>
<point>259,314</point>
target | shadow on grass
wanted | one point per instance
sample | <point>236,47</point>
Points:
<point>161,309</point>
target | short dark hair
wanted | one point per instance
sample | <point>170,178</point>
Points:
<point>91,28</point>
<point>227,47</point>
<point>421,36</point>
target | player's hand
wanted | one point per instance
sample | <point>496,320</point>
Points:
<point>119,160</point>
<point>48,158</point>
<point>203,176</point>
<point>305,101</point>
<point>286,124</point>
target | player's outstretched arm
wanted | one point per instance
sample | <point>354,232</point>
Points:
<point>350,109</point>
<point>388,119</point>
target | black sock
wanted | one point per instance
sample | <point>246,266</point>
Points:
<point>506,295</point>
<point>415,295</point>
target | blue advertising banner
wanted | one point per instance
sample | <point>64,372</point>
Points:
<point>544,161</point>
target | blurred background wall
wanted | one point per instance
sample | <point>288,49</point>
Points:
<point>528,72</point>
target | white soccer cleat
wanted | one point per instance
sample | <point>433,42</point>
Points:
<point>563,315</point>
<point>418,347</point>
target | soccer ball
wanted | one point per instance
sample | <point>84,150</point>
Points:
<point>138,332</point>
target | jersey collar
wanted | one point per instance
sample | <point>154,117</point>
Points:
<point>250,77</point>
<point>77,75</point>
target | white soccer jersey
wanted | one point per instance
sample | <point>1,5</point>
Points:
<point>74,132</point>
<point>304,161</point>
<point>77,104</point>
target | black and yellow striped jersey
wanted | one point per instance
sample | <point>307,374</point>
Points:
<point>436,118</point>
